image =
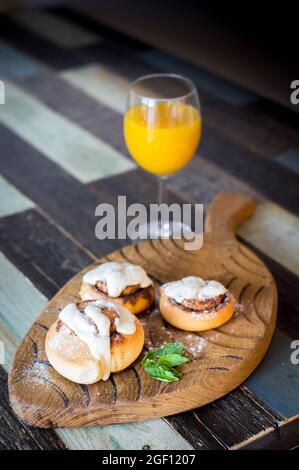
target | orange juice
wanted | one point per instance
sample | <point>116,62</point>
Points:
<point>162,139</point>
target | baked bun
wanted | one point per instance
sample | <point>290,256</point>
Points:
<point>192,304</point>
<point>90,340</point>
<point>125,284</point>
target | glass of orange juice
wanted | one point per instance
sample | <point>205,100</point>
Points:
<point>162,125</point>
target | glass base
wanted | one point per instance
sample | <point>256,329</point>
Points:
<point>157,230</point>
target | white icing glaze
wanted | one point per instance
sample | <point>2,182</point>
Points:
<point>193,287</point>
<point>117,276</point>
<point>96,334</point>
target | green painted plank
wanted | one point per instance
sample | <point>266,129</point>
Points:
<point>77,151</point>
<point>14,64</point>
<point>20,304</point>
<point>274,231</point>
<point>58,30</point>
<point>12,200</point>
<point>100,83</point>
<point>276,380</point>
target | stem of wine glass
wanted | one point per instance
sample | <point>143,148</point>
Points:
<point>162,191</point>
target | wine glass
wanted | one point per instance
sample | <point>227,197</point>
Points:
<point>162,129</point>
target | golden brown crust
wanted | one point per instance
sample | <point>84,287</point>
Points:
<point>188,319</point>
<point>136,302</point>
<point>71,357</point>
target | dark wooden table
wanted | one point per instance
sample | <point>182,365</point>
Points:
<point>62,153</point>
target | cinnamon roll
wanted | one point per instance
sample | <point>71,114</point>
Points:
<point>89,340</point>
<point>122,283</point>
<point>192,304</point>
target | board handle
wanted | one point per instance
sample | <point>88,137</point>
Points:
<point>226,211</point>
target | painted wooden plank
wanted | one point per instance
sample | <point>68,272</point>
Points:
<point>14,64</point>
<point>154,434</point>
<point>208,81</point>
<point>79,107</point>
<point>276,380</point>
<point>11,200</point>
<point>263,175</point>
<point>275,232</point>
<point>73,206</point>
<point>39,48</point>
<point>236,417</point>
<point>25,239</point>
<point>101,83</point>
<point>62,32</point>
<point>10,343</point>
<point>20,303</point>
<point>74,149</point>
<point>288,292</point>
<point>290,159</point>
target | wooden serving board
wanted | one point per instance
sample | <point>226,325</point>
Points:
<point>220,359</point>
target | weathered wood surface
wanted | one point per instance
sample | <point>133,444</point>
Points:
<point>258,130</point>
<point>221,359</point>
<point>16,435</point>
<point>155,434</point>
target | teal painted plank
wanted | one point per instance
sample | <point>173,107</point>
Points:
<point>14,64</point>
<point>8,346</point>
<point>100,83</point>
<point>155,433</point>
<point>290,159</point>
<point>207,81</point>
<point>54,28</point>
<point>11,200</point>
<point>77,151</point>
<point>20,301</point>
<point>274,231</point>
<point>276,380</point>
<point>20,304</point>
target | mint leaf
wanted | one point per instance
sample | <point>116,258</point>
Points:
<point>161,372</point>
<point>168,348</point>
<point>160,363</point>
<point>172,360</point>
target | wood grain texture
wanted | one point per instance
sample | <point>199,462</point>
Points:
<point>270,229</point>
<point>153,434</point>
<point>39,178</point>
<point>15,435</point>
<point>156,434</point>
<point>234,425</point>
<point>275,370</point>
<point>25,237</point>
<point>74,104</point>
<point>78,152</point>
<point>11,200</point>
<point>287,283</point>
<point>131,395</point>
